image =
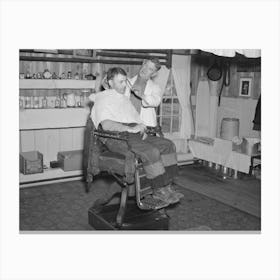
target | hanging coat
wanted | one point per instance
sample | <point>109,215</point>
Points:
<point>257,118</point>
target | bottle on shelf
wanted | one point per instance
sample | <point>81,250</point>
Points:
<point>28,75</point>
<point>62,76</point>
<point>78,100</point>
<point>45,102</point>
<point>82,100</point>
<point>47,74</point>
<point>77,76</point>
<point>84,75</point>
<point>27,102</point>
<point>21,102</point>
<point>32,102</point>
<point>40,102</point>
<point>57,102</point>
<point>63,103</point>
<point>36,102</point>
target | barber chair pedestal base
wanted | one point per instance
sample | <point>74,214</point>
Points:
<point>135,219</point>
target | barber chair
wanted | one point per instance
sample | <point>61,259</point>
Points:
<point>140,213</point>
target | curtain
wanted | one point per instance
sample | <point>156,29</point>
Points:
<point>251,53</point>
<point>162,77</point>
<point>181,73</point>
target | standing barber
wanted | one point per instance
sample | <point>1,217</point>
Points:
<point>144,93</point>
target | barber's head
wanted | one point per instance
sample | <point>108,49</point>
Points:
<point>149,68</point>
<point>116,78</point>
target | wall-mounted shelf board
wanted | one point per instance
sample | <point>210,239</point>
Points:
<point>55,84</point>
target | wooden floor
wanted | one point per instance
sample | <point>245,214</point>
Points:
<point>243,194</point>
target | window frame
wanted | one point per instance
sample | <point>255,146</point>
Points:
<point>172,97</point>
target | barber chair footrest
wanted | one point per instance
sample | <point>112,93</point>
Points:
<point>151,203</point>
<point>135,219</point>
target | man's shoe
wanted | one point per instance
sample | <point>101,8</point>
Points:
<point>165,195</point>
<point>171,189</point>
<point>152,203</point>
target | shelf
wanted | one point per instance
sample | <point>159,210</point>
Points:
<point>55,173</point>
<point>52,118</point>
<point>55,84</point>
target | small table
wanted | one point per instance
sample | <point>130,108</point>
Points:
<point>220,151</point>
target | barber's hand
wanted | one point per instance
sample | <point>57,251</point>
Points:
<point>145,135</point>
<point>142,128</point>
<point>138,128</point>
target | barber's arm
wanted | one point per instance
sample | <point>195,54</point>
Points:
<point>153,99</point>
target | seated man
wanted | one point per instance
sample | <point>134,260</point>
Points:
<point>115,112</point>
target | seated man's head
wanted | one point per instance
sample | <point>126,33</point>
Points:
<point>116,78</point>
<point>149,68</point>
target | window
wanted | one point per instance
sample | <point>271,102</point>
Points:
<point>169,112</point>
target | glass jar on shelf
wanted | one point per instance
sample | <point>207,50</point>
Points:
<point>63,103</point>
<point>78,100</point>
<point>77,76</point>
<point>57,101</point>
<point>21,102</point>
<point>45,102</point>
<point>40,102</point>
<point>82,100</point>
<point>36,102</point>
<point>27,102</point>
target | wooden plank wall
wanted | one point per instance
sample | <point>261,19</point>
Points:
<point>51,141</point>
<point>231,104</point>
<point>238,69</point>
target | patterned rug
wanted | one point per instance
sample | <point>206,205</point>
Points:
<point>64,206</point>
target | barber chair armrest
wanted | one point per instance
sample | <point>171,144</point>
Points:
<point>111,134</point>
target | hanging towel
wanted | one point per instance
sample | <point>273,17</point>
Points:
<point>202,116</point>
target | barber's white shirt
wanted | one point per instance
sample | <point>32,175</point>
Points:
<point>153,95</point>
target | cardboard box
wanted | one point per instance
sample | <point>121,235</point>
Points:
<point>31,162</point>
<point>70,160</point>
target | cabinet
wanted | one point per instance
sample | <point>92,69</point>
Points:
<point>52,129</point>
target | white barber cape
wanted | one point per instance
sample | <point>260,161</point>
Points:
<point>114,106</point>
<point>153,95</point>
